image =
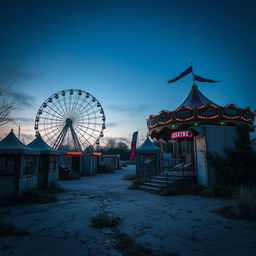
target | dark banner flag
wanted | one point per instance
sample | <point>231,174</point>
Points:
<point>201,79</point>
<point>133,145</point>
<point>186,72</point>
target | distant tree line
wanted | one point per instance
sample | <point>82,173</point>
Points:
<point>114,147</point>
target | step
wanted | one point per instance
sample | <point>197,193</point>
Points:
<point>149,188</point>
<point>155,184</point>
<point>163,181</point>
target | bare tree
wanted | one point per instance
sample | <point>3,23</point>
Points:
<point>6,107</point>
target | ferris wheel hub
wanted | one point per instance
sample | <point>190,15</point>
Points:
<point>69,121</point>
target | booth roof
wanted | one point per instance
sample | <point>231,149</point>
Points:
<point>148,145</point>
<point>196,99</point>
<point>12,142</point>
<point>39,144</point>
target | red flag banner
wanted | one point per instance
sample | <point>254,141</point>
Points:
<point>133,145</point>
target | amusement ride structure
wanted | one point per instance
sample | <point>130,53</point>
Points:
<point>71,119</point>
<point>197,110</point>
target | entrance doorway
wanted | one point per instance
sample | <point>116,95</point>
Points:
<point>201,164</point>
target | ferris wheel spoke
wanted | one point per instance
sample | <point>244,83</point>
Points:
<point>74,104</point>
<point>75,139</point>
<point>82,134</point>
<point>79,106</point>
<point>61,116</point>
<point>88,128</point>
<point>65,103</point>
<point>57,108</point>
<point>57,117</point>
<point>79,122</point>
<point>90,107</point>
<point>60,137</point>
<point>87,132</point>
<point>50,126</point>
<point>50,119</point>
<point>52,133</point>
<point>63,110</point>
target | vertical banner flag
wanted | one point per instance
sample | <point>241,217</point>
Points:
<point>133,145</point>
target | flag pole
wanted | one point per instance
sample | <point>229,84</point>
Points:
<point>192,73</point>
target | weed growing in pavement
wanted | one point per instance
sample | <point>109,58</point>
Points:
<point>104,220</point>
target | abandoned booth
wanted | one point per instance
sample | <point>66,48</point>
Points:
<point>197,127</point>
<point>18,167</point>
<point>48,169</point>
<point>148,158</point>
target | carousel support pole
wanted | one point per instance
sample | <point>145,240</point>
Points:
<point>161,155</point>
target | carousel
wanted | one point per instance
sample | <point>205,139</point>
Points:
<point>196,127</point>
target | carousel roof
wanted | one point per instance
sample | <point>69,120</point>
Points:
<point>198,110</point>
<point>39,144</point>
<point>148,145</point>
<point>196,99</point>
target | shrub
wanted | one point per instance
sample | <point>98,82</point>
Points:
<point>238,166</point>
<point>244,206</point>
<point>104,220</point>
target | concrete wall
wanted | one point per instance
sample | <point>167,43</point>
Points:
<point>217,139</point>
<point>89,165</point>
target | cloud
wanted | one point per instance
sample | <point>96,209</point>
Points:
<point>104,140</point>
<point>131,109</point>
<point>21,99</point>
<point>26,138</point>
<point>25,120</point>
<point>10,75</point>
<point>112,124</point>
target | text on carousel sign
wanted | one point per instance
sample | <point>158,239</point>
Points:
<point>181,134</point>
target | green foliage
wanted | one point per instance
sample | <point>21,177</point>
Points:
<point>104,220</point>
<point>238,166</point>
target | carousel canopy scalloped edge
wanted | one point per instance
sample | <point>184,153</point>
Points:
<point>207,112</point>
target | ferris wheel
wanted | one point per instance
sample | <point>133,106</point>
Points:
<point>71,119</point>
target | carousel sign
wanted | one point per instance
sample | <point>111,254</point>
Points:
<point>181,134</point>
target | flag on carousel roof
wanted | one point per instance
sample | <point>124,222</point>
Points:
<point>184,73</point>
<point>201,79</point>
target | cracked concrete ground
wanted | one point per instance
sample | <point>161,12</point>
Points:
<point>186,225</point>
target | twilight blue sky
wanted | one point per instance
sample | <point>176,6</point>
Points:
<point>123,52</point>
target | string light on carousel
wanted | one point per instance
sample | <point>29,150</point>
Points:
<point>199,125</point>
